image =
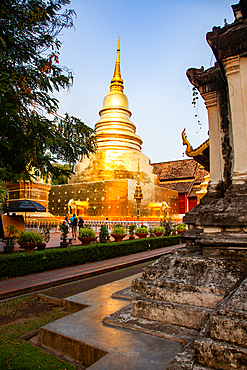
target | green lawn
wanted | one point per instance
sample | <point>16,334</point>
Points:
<point>18,355</point>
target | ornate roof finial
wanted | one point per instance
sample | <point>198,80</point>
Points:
<point>117,82</point>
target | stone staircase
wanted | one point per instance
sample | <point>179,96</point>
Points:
<point>183,289</point>
<point>222,344</point>
<point>188,291</point>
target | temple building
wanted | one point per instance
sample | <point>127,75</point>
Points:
<point>36,190</point>
<point>104,184</point>
<point>184,176</point>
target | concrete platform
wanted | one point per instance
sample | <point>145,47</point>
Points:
<point>84,337</point>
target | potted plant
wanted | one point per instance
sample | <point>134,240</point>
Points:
<point>11,236</point>
<point>45,232</point>
<point>168,225</point>
<point>142,231</point>
<point>151,232</point>
<point>118,233</point>
<point>64,234</point>
<point>180,228</point>
<point>132,228</point>
<point>86,236</point>
<point>103,234</point>
<point>159,230</point>
<point>28,240</point>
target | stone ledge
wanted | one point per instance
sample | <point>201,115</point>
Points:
<point>193,298</point>
<point>124,319</point>
<point>126,293</point>
<point>229,330</point>
<point>173,313</point>
<point>226,239</point>
<point>220,355</point>
<point>139,285</point>
<point>216,276</point>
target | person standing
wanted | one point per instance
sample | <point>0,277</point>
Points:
<point>74,223</point>
<point>80,222</point>
<point>66,221</point>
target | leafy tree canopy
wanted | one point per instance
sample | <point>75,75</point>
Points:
<point>3,197</point>
<point>32,134</point>
<point>62,178</point>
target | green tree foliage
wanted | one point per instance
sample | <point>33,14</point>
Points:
<point>62,178</point>
<point>32,134</point>
<point>3,197</point>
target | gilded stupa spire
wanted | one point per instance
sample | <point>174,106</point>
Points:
<point>117,82</point>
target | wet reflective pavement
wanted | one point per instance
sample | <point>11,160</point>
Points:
<point>120,348</point>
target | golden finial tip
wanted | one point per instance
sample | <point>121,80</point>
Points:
<point>117,82</point>
<point>118,43</point>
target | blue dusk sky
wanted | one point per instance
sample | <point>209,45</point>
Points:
<point>160,40</point>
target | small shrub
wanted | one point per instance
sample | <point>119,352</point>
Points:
<point>30,236</point>
<point>104,231</point>
<point>11,235</point>
<point>181,227</point>
<point>103,234</point>
<point>119,229</point>
<point>64,228</point>
<point>132,228</point>
<point>45,232</point>
<point>86,233</point>
<point>142,229</point>
<point>159,229</point>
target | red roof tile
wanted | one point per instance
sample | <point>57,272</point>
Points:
<point>180,187</point>
<point>200,174</point>
<point>182,169</point>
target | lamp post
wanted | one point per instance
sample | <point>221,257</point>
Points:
<point>138,195</point>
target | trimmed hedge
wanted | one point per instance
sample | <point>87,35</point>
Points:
<point>21,264</point>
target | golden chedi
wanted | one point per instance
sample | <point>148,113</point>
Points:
<point>103,185</point>
<point>119,148</point>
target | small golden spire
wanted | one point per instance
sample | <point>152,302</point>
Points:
<point>117,82</point>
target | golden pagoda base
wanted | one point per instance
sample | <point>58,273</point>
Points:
<point>112,199</point>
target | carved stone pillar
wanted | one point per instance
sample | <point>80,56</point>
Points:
<point>237,85</point>
<point>216,160</point>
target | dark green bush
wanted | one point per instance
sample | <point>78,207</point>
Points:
<point>20,264</point>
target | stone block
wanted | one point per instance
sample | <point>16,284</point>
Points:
<point>184,360</point>
<point>156,269</point>
<point>124,319</point>
<point>226,252</point>
<point>173,313</point>
<point>207,275</point>
<point>219,355</point>
<point>199,299</point>
<point>236,304</point>
<point>76,349</point>
<point>139,285</point>
<point>230,330</point>
<point>212,229</point>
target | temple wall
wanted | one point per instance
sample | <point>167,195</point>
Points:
<point>37,192</point>
<point>112,198</point>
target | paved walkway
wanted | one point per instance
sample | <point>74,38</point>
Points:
<point>86,338</point>
<point>31,283</point>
